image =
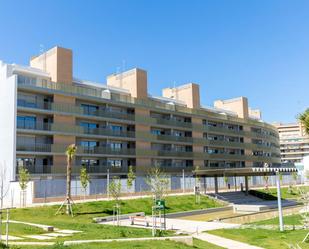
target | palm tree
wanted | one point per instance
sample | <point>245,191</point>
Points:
<point>70,153</point>
<point>304,120</point>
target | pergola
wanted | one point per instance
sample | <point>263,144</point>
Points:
<point>249,171</point>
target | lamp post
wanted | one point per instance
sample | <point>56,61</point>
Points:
<point>281,225</point>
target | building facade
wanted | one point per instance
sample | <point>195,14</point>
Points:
<point>294,144</point>
<point>118,125</point>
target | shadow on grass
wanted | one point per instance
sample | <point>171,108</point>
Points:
<point>105,211</point>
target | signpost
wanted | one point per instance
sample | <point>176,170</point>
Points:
<point>157,211</point>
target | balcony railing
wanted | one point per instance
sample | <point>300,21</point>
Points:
<point>74,129</point>
<point>99,92</point>
<point>91,169</point>
<point>73,109</point>
<point>58,148</point>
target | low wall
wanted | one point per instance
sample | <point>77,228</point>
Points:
<point>249,218</point>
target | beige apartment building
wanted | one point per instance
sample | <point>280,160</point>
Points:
<point>119,124</point>
<point>294,144</point>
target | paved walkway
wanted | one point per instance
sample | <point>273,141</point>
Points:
<point>187,226</point>
<point>223,242</point>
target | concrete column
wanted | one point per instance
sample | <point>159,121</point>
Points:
<point>216,185</point>
<point>246,185</point>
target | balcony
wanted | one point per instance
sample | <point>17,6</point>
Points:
<point>171,122</point>
<point>37,169</point>
<point>58,148</point>
<point>75,130</point>
<point>77,110</point>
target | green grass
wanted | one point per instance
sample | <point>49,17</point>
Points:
<point>270,239</point>
<point>284,192</point>
<point>288,220</point>
<point>197,244</point>
<point>86,211</point>
<point>21,229</point>
<point>264,238</point>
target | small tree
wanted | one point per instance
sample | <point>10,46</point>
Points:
<point>84,180</point>
<point>115,191</point>
<point>24,178</point>
<point>70,153</point>
<point>226,180</point>
<point>131,177</point>
<point>266,178</point>
<point>158,183</point>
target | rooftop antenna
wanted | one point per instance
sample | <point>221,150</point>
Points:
<point>42,52</point>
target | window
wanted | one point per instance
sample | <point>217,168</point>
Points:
<point>26,122</point>
<point>89,162</point>
<point>26,80</point>
<point>116,128</point>
<point>26,100</point>
<point>115,145</point>
<point>157,132</point>
<point>90,144</point>
<point>89,109</point>
<point>115,163</point>
<point>88,126</point>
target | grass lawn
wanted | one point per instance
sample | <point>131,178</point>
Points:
<point>284,192</point>
<point>270,239</point>
<point>84,213</point>
<point>264,238</point>
<point>287,220</point>
<point>198,244</point>
<point>20,229</point>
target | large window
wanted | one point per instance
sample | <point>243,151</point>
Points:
<point>27,80</point>
<point>26,100</point>
<point>115,163</point>
<point>116,145</point>
<point>88,126</point>
<point>90,109</point>
<point>89,144</point>
<point>116,128</point>
<point>26,122</point>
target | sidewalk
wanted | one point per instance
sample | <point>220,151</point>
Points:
<point>223,242</point>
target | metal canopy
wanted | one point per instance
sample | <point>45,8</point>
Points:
<point>250,171</point>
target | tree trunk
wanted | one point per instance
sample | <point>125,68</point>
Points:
<point>68,197</point>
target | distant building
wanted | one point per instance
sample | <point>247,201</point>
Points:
<point>294,144</point>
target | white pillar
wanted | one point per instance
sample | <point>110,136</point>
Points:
<point>279,202</point>
<point>107,182</point>
<point>183,180</point>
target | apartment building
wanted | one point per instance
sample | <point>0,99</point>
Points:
<point>119,124</point>
<point>294,143</point>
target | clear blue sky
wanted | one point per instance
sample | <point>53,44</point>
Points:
<point>258,48</point>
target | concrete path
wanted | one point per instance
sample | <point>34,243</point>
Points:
<point>223,242</point>
<point>187,226</point>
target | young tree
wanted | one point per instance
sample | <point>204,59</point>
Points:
<point>226,180</point>
<point>158,183</point>
<point>84,179</point>
<point>70,153</point>
<point>131,177</point>
<point>24,178</point>
<point>266,178</point>
<point>115,191</point>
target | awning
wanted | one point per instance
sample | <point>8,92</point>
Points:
<point>246,171</point>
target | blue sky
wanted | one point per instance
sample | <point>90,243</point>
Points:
<point>258,48</point>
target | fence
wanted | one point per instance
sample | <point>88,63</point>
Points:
<point>56,188</point>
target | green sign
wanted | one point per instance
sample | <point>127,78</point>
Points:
<point>160,204</point>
